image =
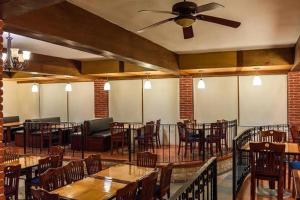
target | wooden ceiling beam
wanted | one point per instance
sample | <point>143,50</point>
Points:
<point>12,8</point>
<point>68,25</point>
<point>296,66</point>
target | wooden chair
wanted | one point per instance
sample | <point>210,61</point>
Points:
<point>93,164</point>
<point>224,130</point>
<point>148,185</point>
<point>145,141</point>
<point>156,135</point>
<point>74,171</point>
<point>11,181</point>
<point>52,179</point>
<point>272,136</point>
<point>41,194</point>
<point>10,156</point>
<point>44,165</point>
<point>118,136</point>
<point>48,134</point>
<point>128,192</point>
<point>187,138</point>
<point>164,182</point>
<point>57,151</point>
<point>295,134</point>
<point>146,159</point>
<point>295,163</point>
<point>267,163</point>
<point>214,137</point>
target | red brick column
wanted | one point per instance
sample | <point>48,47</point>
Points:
<point>1,119</point>
<point>101,99</point>
<point>294,97</point>
<point>186,99</point>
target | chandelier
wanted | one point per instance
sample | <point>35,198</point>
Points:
<point>13,60</point>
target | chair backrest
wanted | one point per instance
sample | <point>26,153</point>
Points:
<point>295,133</point>
<point>11,179</point>
<point>45,128</point>
<point>146,159</point>
<point>149,130</point>
<point>267,159</point>
<point>93,164</point>
<point>52,179</point>
<point>116,128</point>
<point>74,171</point>
<point>272,136</point>
<point>157,126</point>
<point>10,156</point>
<point>45,164</point>
<point>57,151</point>
<point>41,194</point>
<point>182,130</point>
<point>128,192</point>
<point>190,123</point>
<point>216,130</point>
<point>148,186</point>
<point>165,179</point>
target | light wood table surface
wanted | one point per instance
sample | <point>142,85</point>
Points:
<point>124,173</point>
<point>8,127</point>
<point>90,188</point>
<point>12,124</point>
<point>25,162</point>
<point>290,148</point>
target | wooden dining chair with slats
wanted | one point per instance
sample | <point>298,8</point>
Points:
<point>214,139</point>
<point>272,136</point>
<point>267,163</point>
<point>41,194</point>
<point>93,164</point>
<point>146,159</point>
<point>74,171</point>
<point>148,186</point>
<point>57,151</point>
<point>163,188</point>
<point>52,179</point>
<point>11,181</point>
<point>44,165</point>
<point>146,139</point>
<point>156,135</point>
<point>128,192</point>
<point>10,156</point>
<point>118,136</point>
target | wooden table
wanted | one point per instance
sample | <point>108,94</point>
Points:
<point>290,148</point>
<point>8,127</point>
<point>124,173</point>
<point>27,163</point>
<point>296,179</point>
<point>90,188</point>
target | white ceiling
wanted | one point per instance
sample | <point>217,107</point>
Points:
<point>265,23</point>
<point>45,48</point>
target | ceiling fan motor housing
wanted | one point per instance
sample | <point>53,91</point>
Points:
<point>186,10</point>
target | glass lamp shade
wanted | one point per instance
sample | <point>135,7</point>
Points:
<point>68,87</point>
<point>26,55</point>
<point>35,88</point>
<point>201,84</point>
<point>14,52</point>
<point>256,81</point>
<point>4,56</point>
<point>147,85</point>
<point>21,58</point>
<point>107,86</point>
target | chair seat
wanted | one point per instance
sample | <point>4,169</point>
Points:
<point>294,165</point>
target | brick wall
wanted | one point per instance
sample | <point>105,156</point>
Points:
<point>101,99</point>
<point>186,100</point>
<point>1,118</point>
<point>294,97</point>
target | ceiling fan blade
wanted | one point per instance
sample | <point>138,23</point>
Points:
<point>159,11</point>
<point>188,32</point>
<point>217,20</point>
<point>156,24</point>
<point>207,7</point>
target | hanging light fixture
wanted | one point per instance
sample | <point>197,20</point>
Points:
<point>35,88</point>
<point>68,87</point>
<point>256,79</point>
<point>13,60</point>
<point>201,83</point>
<point>107,85</point>
<point>147,83</point>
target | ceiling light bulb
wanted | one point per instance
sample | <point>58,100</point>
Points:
<point>256,81</point>
<point>147,85</point>
<point>201,84</point>
<point>26,55</point>
<point>107,86</point>
<point>68,87</point>
<point>35,88</point>
<point>4,56</point>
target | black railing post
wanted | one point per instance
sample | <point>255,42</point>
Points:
<point>203,139</point>
<point>24,136</point>
<point>233,169</point>
<point>82,140</point>
<point>129,143</point>
<point>215,179</point>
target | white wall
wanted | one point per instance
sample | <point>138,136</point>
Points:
<point>10,98</point>
<point>219,100</point>
<point>265,104</point>
<point>125,100</point>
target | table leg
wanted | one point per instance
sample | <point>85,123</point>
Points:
<point>28,175</point>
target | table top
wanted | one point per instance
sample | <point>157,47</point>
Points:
<point>90,188</point>
<point>12,124</point>
<point>296,178</point>
<point>26,162</point>
<point>124,173</point>
<point>290,148</point>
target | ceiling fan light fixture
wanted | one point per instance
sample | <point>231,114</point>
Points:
<point>185,21</point>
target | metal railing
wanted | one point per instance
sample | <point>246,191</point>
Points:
<point>203,186</point>
<point>240,159</point>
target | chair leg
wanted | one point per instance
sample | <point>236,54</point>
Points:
<point>280,189</point>
<point>253,188</point>
<point>179,147</point>
<point>289,177</point>
<point>185,149</point>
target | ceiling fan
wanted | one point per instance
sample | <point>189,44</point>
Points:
<point>187,13</point>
